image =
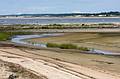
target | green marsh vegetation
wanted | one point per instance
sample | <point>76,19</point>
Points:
<point>4,36</point>
<point>66,46</point>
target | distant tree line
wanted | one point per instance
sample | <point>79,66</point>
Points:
<point>67,14</point>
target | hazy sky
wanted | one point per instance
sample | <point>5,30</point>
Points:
<point>57,6</point>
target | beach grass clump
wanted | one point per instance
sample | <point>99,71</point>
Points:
<point>66,46</point>
<point>83,48</point>
<point>52,45</point>
<point>62,46</point>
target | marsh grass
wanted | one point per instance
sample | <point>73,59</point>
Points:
<point>7,35</point>
<point>66,46</point>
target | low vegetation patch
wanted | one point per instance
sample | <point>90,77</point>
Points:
<point>7,35</point>
<point>52,45</point>
<point>67,46</point>
<point>4,36</point>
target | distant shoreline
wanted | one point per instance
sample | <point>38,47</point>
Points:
<point>52,17</point>
<point>58,20</point>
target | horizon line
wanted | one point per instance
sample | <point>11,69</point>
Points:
<point>61,13</point>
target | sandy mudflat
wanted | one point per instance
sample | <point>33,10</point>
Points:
<point>101,41</point>
<point>40,63</point>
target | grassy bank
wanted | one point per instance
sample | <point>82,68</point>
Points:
<point>66,46</point>
<point>4,36</point>
<point>7,35</point>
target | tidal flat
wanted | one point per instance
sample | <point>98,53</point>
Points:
<point>101,41</point>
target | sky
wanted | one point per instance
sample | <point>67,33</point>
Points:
<point>57,6</point>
